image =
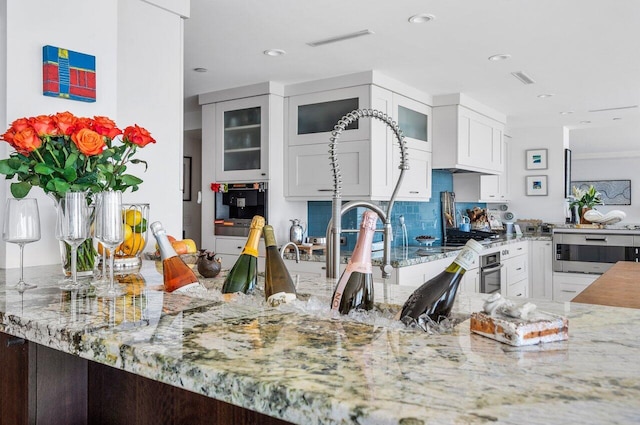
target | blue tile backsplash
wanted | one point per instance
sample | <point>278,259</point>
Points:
<point>421,218</point>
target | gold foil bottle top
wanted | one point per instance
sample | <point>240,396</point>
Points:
<point>257,222</point>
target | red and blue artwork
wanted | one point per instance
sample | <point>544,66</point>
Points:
<point>68,74</point>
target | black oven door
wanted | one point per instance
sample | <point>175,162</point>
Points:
<point>490,273</point>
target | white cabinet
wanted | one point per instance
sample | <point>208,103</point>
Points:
<point>471,281</point>
<point>514,274</point>
<point>242,139</point>
<point>229,248</point>
<point>540,270</point>
<point>367,151</point>
<point>566,286</point>
<point>418,274</point>
<point>466,139</point>
<point>489,188</point>
<point>306,268</point>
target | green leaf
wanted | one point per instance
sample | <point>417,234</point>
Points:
<point>71,160</point>
<point>15,162</point>
<point>140,161</point>
<point>44,169</point>
<point>130,180</point>
<point>57,185</point>
<point>5,168</point>
<point>70,174</point>
<point>20,190</point>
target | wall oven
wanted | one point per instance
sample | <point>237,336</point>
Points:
<point>593,251</point>
<point>490,273</point>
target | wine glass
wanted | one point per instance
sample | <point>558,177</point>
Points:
<point>73,227</point>
<point>109,227</point>
<point>103,279</point>
<point>21,226</point>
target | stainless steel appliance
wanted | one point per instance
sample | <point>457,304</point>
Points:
<point>490,273</point>
<point>236,206</point>
<point>580,251</point>
<point>451,235</point>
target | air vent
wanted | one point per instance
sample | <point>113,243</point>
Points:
<point>524,78</point>
<point>340,38</point>
<point>613,109</point>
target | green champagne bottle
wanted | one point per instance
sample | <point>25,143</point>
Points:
<point>355,287</point>
<point>278,285</point>
<point>244,273</point>
<point>436,296</point>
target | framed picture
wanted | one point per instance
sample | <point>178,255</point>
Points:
<point>567,173</point>
<point>186,178</point>
<point>537,159</point>
<point>536,185</point>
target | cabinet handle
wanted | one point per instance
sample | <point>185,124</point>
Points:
<point>325,190</point>
<point>239,247</point>
<point>413,191</point>
<point>15,341</point>
<point>263,174</point>
<point>519,268</point>
<point>519,295</point>
<point>570,292</point>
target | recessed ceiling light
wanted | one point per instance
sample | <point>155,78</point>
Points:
<point>545,95</point>
<point>274,52</point>
<point>500,57</point>
<point>200,69</point>
<point>421,18</point>
<point>566,112</point>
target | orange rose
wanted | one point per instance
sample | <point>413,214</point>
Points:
<point>138,136</point>
<point>66,122</point>
<point>83,122</point>
<point>20,124</point>
<point>88,142</point>
<point>44,125</point>
<point>26,141</point>
<point>8,136</point>
<point>105,127</point>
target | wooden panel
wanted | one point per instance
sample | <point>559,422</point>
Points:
<point>617,287</point>
<point>119,397</point>
<point>14,375</point>
<point>61,383</point>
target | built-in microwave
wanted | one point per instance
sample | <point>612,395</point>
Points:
<point>593,252</point>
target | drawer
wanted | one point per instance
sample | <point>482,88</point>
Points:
<point>567,291</point>
<point>513,250</point>
<point>517,268</point>
<point>518,289</point>
<point>234,246</point>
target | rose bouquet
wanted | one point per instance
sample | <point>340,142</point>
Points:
<point>62,152</point>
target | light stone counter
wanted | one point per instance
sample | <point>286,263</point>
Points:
<point>297,363</point>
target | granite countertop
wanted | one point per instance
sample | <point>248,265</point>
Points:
<point>418,254</point>
<point>297,363</point>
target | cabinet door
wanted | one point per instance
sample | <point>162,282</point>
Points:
<point>414,119</point>
<point>242,129</point>
<point>470,282</point>
<point>480,141</point>
<point>541,274</point>
<point>312,117</point>
<point>566,286</point>
<point>416,183</point>
<point>309,173</point>
<point>490,188</point>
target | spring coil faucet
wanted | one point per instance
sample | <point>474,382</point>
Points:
<point>334,226</point>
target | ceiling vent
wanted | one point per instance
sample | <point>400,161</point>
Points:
<point>340,38</point>
<point>613,109</point>
<point>524,78</point>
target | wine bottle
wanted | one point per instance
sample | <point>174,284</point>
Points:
<point>355,287</point>
<point>176,274</point>
<point>278,285</point>
<point>436,296</point>
<point>244,273</point>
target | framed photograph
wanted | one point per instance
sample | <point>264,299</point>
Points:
<point>536,185</point>
<point>537,159</point>
<point>186,178</point>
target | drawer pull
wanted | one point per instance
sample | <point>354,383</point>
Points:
<point>519,268</point>
<point>325,190</point>
<point>568,291</point>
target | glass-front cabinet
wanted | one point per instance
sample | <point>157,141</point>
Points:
<point>414,119</point>
<point>242,139</point>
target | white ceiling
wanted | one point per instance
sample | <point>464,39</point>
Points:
<point>585,52</point>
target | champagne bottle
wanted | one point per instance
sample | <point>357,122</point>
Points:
<point>244,273</point>
<point>355,287</point>
<point>177,275</point>
<point>436,296</point>
<point>278,285</point>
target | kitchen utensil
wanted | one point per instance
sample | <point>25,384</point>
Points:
<point>465,223</point>
<point>296,231</point>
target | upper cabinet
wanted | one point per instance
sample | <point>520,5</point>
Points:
<point>242,134</point>
<point>368,153</point>
<point>489,188</point>
<point>466,139</point>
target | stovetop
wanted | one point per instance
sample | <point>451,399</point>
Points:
<point>455,237</point>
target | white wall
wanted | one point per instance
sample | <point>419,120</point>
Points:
<point>613,169</point>
<point>138,49</point>
<point>550,208</point>
<point>191,210</point>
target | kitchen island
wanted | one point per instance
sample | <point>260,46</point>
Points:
<point>298,364</point>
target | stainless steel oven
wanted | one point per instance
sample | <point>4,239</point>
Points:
<point>490,273</point>
<point>593,251</point>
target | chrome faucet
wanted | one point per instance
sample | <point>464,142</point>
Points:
<point>334,226</point>
<point>284,247</point>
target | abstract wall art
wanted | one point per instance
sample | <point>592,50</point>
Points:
<point>612,192</point>
<point>68,74</point>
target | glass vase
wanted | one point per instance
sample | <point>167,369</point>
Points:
<point>128,256</point>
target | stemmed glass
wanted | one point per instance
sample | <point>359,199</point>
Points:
<point>21,226</point>
<point>73,226</point>
<point>103,279</point>
<point>110,232</point>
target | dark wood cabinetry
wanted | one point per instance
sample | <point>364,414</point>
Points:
<point>42,386</point>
